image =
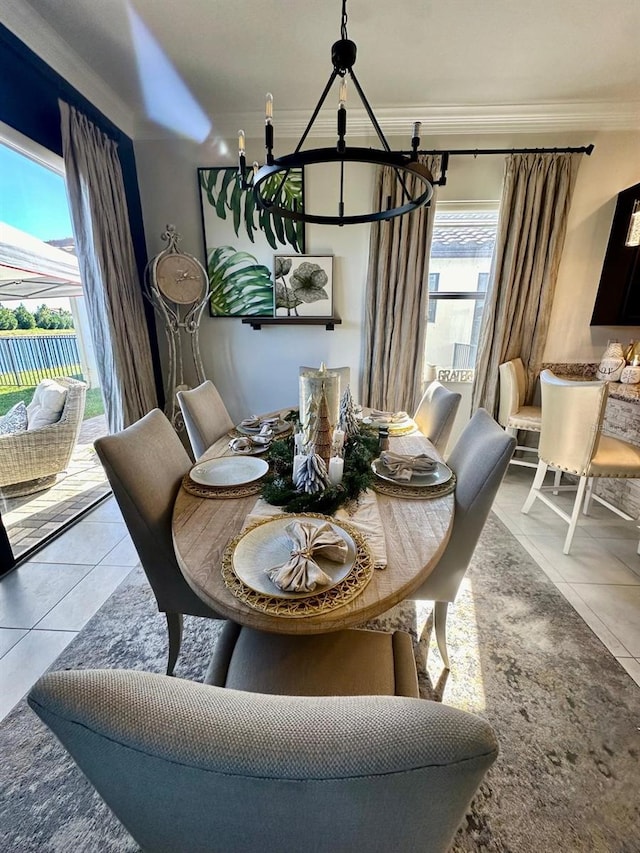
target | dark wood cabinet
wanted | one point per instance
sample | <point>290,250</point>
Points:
<point>618,298</point>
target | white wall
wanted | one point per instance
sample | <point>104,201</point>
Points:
<point>257,370</point>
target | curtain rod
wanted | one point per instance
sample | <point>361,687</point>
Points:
<point>474,152</point>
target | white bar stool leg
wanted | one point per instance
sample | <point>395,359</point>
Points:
<point>538,480</point>
<point>574,515</point>
<point>588,496</point>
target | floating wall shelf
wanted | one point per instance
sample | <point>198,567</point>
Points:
<point>258,322</point>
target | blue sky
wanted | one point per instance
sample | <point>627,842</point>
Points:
<point>32,197</point>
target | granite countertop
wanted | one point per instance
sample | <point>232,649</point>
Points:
<point>617,390</point>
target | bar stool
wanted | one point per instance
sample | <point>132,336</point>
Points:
<point>513,415</point>
<point>571,440</point>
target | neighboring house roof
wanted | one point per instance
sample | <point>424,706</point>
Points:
<point>471,235</point>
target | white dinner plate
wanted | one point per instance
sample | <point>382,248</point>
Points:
<point>229,471</point>
<point>441,474</point>
<point>268,545</point>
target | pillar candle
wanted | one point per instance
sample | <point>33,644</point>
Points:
<point>338,440</point>
<point>336,470</point>
<point>298,461</point>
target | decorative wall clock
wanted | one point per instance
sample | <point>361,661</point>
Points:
<point>177,286</point>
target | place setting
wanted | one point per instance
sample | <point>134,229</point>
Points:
<point>397,423</point>
<point>226,477</point>
<point>297,565</point>
<point>407,476</point>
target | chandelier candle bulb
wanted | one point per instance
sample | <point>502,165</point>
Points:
<point>336,470</point>
<point>342,97</point>
<point>269,107</point>
<point>241,143</point>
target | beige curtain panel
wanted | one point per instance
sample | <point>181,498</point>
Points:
<point>533,221</point>
<point>110,282</point>
<point>397,295</point>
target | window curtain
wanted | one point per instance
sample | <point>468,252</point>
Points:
<point>531,230</point>
<point>108,270</point>
<point>397,296</point>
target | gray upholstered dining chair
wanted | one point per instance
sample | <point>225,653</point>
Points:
<point>145,464</point>
<point>205,416</point>
<point>479,460</point>
<point>188,766</point>
<point>436,414</point>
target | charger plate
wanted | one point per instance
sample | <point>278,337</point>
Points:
<point>384,487</point>
<point>268,545</point>
<point>313,604</point>
<point>221,492</point>
<point>440,474</point>
<point>279,429</point>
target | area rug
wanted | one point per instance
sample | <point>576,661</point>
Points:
<point>566,714</point>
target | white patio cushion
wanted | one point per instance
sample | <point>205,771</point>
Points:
<point>47,404</point>
<point>15,419</point>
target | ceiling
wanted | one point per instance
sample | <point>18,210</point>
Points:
<point>458,63</point>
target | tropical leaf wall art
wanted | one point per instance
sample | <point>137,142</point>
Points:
<point>240,239</point>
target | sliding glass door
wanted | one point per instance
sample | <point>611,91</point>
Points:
<point>51,408</point>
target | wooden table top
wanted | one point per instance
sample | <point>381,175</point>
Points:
<point>416,533</point>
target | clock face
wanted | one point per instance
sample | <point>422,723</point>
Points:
<point>180,278</point>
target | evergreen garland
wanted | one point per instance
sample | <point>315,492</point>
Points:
<point>278,489</point>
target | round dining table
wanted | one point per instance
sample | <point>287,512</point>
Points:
<point>416,533</point>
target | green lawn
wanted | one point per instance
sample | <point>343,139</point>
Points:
<point>10,395</point>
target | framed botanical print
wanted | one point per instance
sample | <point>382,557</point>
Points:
<point>303,286</point>
<point>240,238</point>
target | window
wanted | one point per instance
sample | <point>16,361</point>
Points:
<point>434,280</point>
<point>461,252</point>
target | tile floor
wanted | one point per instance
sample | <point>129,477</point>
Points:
<point>47,601</point>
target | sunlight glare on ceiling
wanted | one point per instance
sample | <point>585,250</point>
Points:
<point>167,99</point>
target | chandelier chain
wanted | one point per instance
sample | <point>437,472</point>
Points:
<point>343,24</point>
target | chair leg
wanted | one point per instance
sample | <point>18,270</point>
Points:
<point>556,480</point>
<point>538,480</point>
<point>574,515</point>
<point>174,626</point>
<point>587,498</point>
<point>440,626</point>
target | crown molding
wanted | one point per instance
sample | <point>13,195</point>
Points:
<point>27,25</point>
<point>458,119</point>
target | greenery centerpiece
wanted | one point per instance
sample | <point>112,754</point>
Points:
<point>360,449</point>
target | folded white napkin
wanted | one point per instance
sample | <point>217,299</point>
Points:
<point>241,445</point>
<point>388,417</point>
<point>402,467</point>
<point>252,422</point>
<point>301,573</point>
<point>364,515</point>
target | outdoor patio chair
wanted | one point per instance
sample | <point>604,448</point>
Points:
<point>31,460</point>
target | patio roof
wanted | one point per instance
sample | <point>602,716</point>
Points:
<point>30,268</point>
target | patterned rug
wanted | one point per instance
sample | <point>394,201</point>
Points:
<point>566,714</point>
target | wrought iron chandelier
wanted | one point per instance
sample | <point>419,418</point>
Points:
<point>268,192</point>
